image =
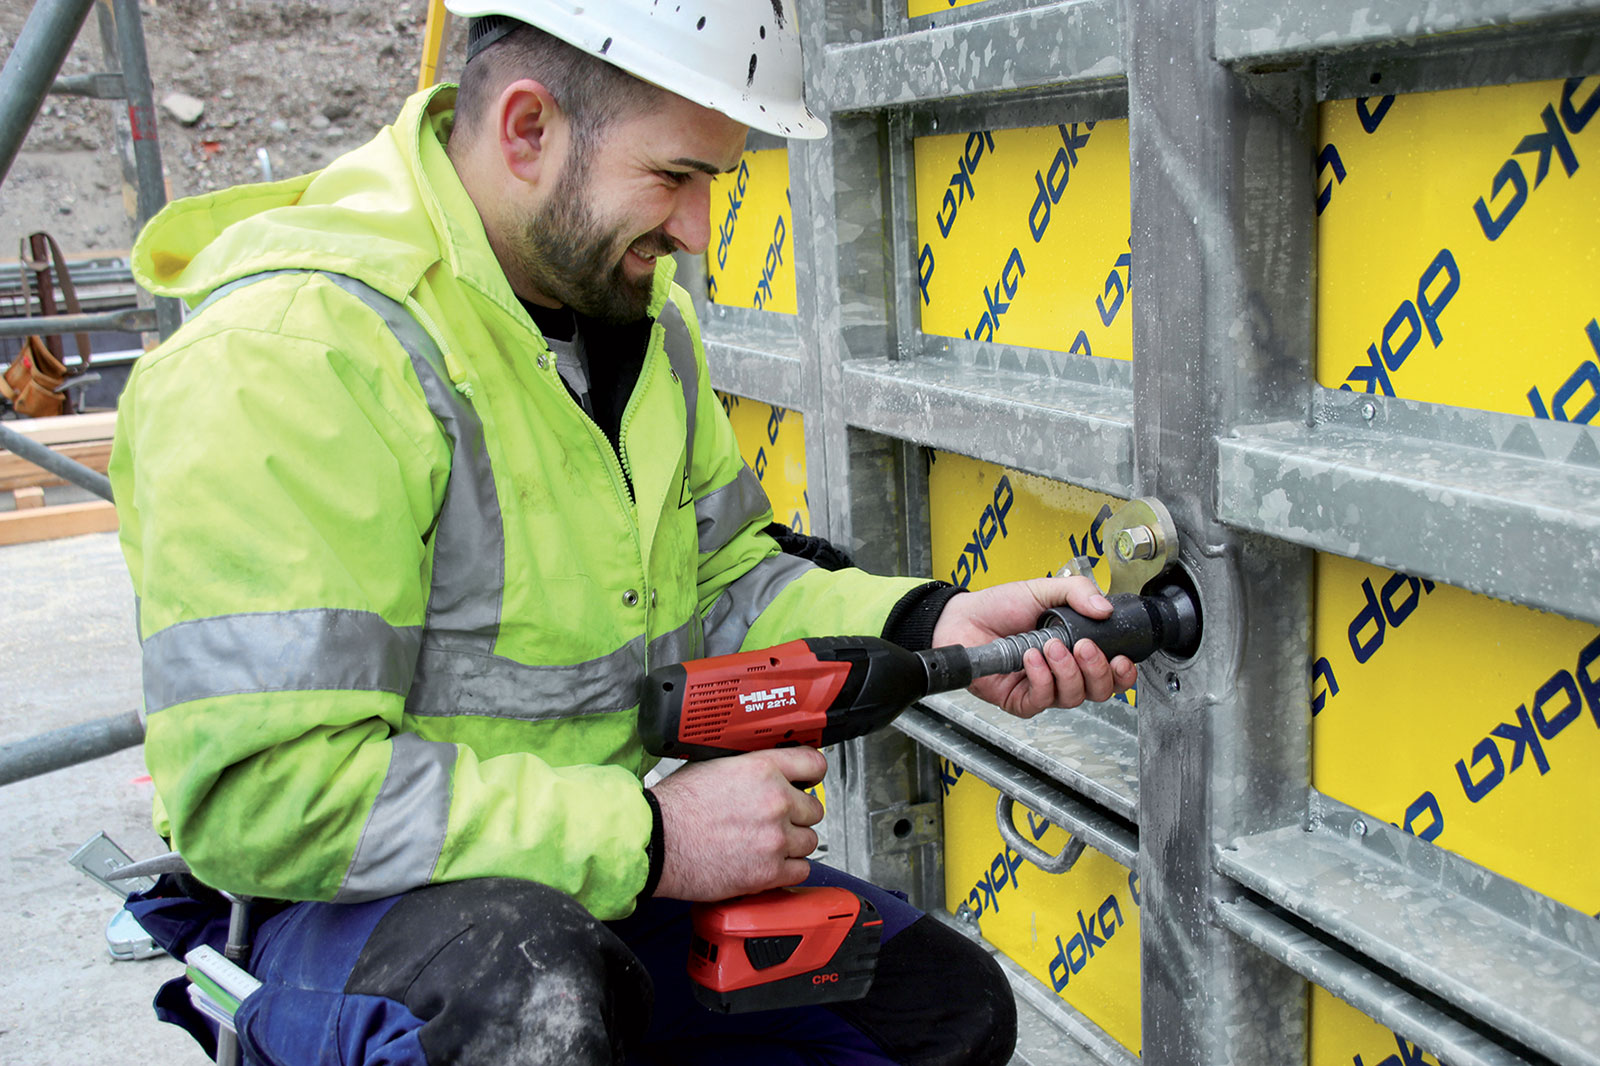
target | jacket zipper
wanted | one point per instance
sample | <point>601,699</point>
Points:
<point>627,468</point>
<point>627,419</point>
<point>621,470</point>
<point>621,476</point>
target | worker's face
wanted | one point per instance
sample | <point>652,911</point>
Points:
<point>643,191</point>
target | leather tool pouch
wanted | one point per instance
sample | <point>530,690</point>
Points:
<point>33,384</point>
<point>31,381</point>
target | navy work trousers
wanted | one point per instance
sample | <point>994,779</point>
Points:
<point>506,971</point>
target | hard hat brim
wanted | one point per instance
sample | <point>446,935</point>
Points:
<point>652,58</point>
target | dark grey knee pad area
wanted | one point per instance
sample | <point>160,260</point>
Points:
<point>504,971</point>
<point>938,999</point>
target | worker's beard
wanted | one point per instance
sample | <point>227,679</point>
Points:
<point>566,253</point>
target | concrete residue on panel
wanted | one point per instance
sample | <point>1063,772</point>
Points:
<point>1275,507</point>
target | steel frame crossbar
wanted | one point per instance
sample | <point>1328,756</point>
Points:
<point>1510,960</point>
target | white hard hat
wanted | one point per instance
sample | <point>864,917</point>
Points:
<point>739,57</point>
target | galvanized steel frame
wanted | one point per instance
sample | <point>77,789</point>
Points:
<point>1220,416</point>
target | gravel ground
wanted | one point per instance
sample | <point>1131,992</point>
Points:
<point>71,656</point>
<point>306,81</point>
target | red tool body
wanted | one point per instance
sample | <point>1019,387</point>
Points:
<point>799,946</point>
<point>814,692</point>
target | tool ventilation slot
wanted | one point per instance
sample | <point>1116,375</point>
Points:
<point>708,708</point>
<point>765,952</point>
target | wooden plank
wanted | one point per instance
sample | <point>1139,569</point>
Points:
<point>63,429</point>
<point>16,472</point>
<point>62,520</point>
<point>29,497</point>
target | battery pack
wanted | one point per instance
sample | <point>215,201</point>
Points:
<point>788,947</point>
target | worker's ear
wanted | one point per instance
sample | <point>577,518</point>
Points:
<point>528,124</point>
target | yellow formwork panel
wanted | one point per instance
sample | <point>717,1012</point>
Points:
<point>1077,932</point>
<point>1023,237</point>
<point>1458,243</point>
<point>1458,246</point>
<point>773,443</point>
<point>990,524</point>
<point>933,7</point>
<point>1467,721</point>
<point>750,257</point>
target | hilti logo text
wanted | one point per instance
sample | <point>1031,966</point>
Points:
<point>770,699</point>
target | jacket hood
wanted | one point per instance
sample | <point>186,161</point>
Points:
<point>381,213</point>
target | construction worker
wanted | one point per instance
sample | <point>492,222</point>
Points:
<point>410,506</point>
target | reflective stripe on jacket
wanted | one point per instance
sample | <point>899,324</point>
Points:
<point>396,596</point>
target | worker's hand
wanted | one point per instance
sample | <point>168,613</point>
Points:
<point>1058,677</point>
<point>738,825</point>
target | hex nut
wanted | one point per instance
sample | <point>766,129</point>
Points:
<point>1135,542</point>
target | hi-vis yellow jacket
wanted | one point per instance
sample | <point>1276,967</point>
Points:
<point>395,595</point>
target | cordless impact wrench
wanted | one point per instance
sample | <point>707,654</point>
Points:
<point>795,946</point>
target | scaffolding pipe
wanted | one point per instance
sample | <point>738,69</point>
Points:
<point>126,320</point>
<point>95,86</point>
<point>146,144</point>
<point>31,69</point>
<point>55,462</point>
<point>68,747</point>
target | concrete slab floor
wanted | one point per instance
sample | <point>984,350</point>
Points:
<point>68,654</point>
